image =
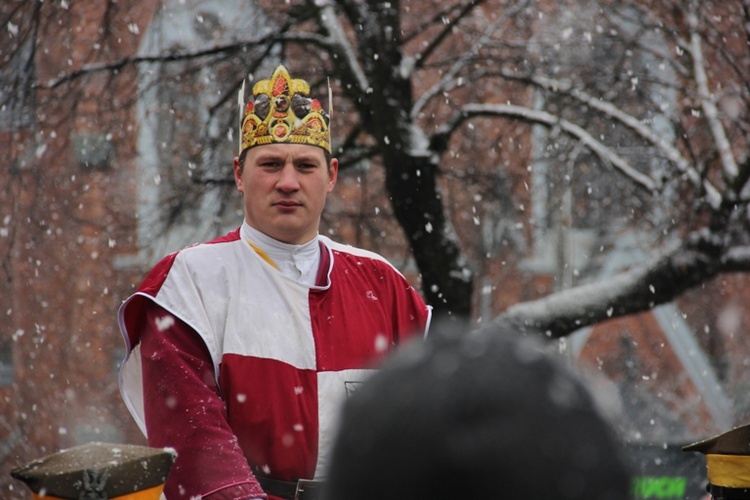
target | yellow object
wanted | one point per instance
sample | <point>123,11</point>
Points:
<point>149,494</point>
<point>727,457</point>
<point>729,471</point>
<point>283,112</point>
<point>263,255</point>
<point>98,470</point>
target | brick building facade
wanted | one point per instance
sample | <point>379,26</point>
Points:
<point>68,218</point>
<point>73,226</point>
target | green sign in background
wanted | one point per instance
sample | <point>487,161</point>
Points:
<point>659,487</point>
<point>662,471</point>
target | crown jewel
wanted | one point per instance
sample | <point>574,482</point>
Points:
<point>282,111</point>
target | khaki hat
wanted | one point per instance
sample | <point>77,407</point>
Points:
<point>98,471</point>
<point>727,457</point>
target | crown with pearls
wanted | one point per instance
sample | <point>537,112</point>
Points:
<point>282,111</point>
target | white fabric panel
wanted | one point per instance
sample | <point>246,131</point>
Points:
<point>333,389</point>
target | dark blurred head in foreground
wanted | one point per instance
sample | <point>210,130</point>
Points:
<point>480,415</point>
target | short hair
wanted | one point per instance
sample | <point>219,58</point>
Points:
<point>480,415</point>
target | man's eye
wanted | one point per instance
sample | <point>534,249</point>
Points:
<point>306,166</point>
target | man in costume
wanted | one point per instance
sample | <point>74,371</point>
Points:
<point>727,463</point>
<point>241,349</point>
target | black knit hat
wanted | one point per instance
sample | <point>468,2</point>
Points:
<point>480,415</point>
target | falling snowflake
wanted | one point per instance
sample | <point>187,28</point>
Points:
<point>164,322</point>
<point>381,343</point>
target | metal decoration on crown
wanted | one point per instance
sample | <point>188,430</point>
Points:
<point>282,111</point>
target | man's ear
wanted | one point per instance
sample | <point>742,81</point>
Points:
<point>237,168</point>
<point>333,174</point>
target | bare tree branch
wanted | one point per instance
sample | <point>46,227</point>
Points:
<point>448,27</point>
<point>550,120</point>
<point>328,18</point>
<point>133,60</point>
<point>448,80</point>
<point>708,103</point>
<point>737,259</point>
<point>179,56</point>
<point>661,280</point>
<point>713,196</point>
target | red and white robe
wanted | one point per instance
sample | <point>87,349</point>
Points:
<point>283,355</point>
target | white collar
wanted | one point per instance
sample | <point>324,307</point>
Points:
<point>298,262</point>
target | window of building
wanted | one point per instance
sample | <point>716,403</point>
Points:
<point>16,90</point>
<point>6,362</point>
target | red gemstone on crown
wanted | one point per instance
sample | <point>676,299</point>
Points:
<point>280,86</point>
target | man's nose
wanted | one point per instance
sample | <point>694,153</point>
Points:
<point>288,180</point>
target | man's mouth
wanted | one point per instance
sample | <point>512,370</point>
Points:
<point>288,204</point>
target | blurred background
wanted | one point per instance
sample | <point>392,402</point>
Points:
<point>578,169</point>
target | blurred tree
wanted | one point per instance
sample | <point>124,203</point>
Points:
<point>630,114</point>
<point>514,154</point>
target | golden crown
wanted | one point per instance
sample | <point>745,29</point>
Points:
<point>282,111</point>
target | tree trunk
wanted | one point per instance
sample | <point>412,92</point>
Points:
<point>447,281</point>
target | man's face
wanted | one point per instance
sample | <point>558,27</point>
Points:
<point>285,187</point>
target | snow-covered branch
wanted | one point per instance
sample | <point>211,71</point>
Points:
<point>671,153</point>
<point>737,259</point>
<point>180,56</point>
<point>639,289</point>
<point>449,80</point>
<point>329,20</point>
<point>448,28</point>
<point>550,120</point>
<point>708,103</point>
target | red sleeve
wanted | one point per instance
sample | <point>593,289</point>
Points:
<point>184,411</point>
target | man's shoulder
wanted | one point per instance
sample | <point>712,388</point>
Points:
<point>216,244</point>
<point>381,279</point>
<point>345,249</point>
<point>187,255</point>
<point>351,257</point>
<point>230,237</point>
